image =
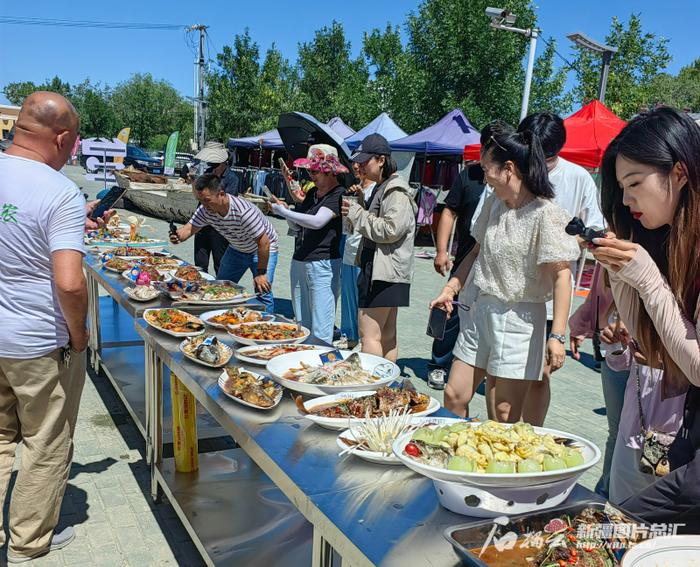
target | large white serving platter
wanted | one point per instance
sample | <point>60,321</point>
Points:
<point>676,551</point>
<point>172,333</point>
<point>278,366</point>
<point>260,377</point>
<point>340,423</point>
<point>245,341</point>
<point>591,455</point>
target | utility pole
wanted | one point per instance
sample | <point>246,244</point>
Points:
<point>200,105</point>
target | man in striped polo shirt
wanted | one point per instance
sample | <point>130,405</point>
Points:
<point>252,239</point>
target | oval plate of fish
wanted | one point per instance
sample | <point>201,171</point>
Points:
<point>341,411</point>
<point>250,388</point>
<point>262,354</point>
<point>206,350</point>
<point>306,373</point>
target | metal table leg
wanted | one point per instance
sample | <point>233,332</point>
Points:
<point>94,321</point>
<point>154,415</point>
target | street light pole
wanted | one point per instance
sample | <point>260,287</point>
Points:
<point>528,73</point>
<point>503,20</point>
<point>606,51</point>
<point>607,56</point>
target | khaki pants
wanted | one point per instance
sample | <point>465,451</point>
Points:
<point>39,401</point>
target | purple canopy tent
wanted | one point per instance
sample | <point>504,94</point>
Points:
<point>269,140</point>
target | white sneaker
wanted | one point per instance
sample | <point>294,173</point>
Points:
<point>436,379</point>
<point>58,541</point>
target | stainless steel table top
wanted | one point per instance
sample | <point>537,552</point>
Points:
<point>115,285</point>
<point>371,514</point>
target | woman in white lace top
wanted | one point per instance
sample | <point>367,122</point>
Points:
<point>520,261</point>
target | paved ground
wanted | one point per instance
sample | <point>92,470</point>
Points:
<point>107,498</point>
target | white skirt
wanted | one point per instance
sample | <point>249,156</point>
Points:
<point>505,339</point>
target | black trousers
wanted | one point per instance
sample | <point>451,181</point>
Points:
<point>673,499</point>
<point>209,242</point>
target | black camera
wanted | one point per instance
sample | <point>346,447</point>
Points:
<point>577,228</point>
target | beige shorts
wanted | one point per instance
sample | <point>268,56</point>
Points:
<point>505,339</point>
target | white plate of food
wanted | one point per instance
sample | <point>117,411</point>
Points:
<point>162,262</point>
<point>207,293</point>
<point>149,243</point>
<point>305,372</point>
<point>221,318</point>
<point>142,293</point>
<point>153,274</point>
<point>118,264</point>
<point>262,354</point>
<point>206,350</point>
<point>268,333</point>
<point>489,454</point>
<point>676,550</point>
<point>190,274</point>
<point>174,322</point>
<point>134,253</point>
<point>250,388</point>
<point>344,410</point>
<point>371,440</point>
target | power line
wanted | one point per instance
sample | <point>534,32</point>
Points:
<point>569,65</point>
<point>27,21</point>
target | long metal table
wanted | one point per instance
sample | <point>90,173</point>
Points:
<point>368,514</point>
<point>117,349</point>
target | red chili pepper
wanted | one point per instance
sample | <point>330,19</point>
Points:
<point>412,449</point>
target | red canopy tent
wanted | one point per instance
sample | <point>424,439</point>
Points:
<point>588,133</point>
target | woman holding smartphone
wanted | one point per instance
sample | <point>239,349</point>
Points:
<point>651,201</point>
<point>520,259</point>
<point>315,269</point>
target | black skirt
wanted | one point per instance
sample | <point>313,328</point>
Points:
<point>372,294</point>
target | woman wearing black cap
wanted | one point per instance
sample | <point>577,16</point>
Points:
<point>385,255</point>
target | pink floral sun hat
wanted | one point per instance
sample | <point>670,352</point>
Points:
<point>323,158</point>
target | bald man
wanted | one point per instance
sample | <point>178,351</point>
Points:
<point>43,310</point>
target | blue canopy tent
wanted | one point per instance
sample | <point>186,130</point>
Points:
<point>382,124</point>
<point>269,140</point>
<point>339,127</point>
<point>445,137</point>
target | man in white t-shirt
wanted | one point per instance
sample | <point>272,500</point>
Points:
<point>43,309</point>
<point>575,192</point>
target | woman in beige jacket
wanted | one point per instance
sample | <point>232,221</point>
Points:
<point>651,200</point>
<point>385,255</point>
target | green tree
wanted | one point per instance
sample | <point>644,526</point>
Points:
<point>458,60</point>
<point>332,83</point>
<point>548,84</point>
<point>97,117</point>
<point>17,92</point>
<point>278,90</point>
<point>150,107</point>
<point>641,56</point>
<point>233,89</point>
<point>681,91</point>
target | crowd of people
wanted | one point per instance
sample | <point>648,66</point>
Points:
<point>508,294</point>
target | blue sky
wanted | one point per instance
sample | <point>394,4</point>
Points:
<point>34,53</point>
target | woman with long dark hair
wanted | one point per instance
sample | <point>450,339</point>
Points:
<point>651,201</point>
<point>520,261</point>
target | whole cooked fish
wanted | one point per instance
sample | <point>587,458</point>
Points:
<point>245,386</point>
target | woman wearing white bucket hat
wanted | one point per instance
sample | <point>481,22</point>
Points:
<point>315,270</point>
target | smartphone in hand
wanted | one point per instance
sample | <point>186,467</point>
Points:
<point>107,202</point>
<point>437,323</point>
